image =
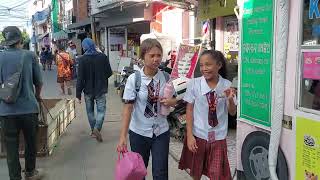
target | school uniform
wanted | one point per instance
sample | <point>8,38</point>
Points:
<point>148,130</point>
<point>209,128</point>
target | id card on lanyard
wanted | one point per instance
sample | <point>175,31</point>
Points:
<point>156,129</point>
<point>211,136</point>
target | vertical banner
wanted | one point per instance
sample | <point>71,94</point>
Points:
<point>186,61</point>
<point>256,61</point>
<point>54,15</point>
<point>307,149</point>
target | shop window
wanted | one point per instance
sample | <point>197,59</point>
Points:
<point>231,45</point>
<point>311,23</point>
<point>310,56</point>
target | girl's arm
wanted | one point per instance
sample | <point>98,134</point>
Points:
<point>126,116</point>
<point>191,140</point>
<point>169,102</point>
<point>232,107</point>
<point>189,119</point>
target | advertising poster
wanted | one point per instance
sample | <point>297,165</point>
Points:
<point>311,65</point>
<point>307,149</point>
<point>186,61</point>
<point>231,38</point>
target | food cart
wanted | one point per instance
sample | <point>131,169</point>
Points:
<point>278,130</point>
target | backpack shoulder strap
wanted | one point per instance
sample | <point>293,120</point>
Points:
<point>137,78</point>
<point>166,76</point>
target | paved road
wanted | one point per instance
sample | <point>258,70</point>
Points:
<point>79,157</point>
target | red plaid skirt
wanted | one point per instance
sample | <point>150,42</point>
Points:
<point>211,160</point>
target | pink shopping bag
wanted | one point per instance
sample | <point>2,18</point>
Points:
<point>130,167</point>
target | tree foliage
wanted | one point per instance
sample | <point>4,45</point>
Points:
<point>1,37</point>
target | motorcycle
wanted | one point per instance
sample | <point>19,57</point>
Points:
<point>177,117</point>
<point>177,120</point>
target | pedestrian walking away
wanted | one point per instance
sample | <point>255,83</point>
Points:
<point>210,99</point>
<point>94,71</point>
<point>72,50</point>
<point>148,129</point>
<point>21,114</point>
<point>49,58</point>
<point>64,63</point>
<point>43,57</point>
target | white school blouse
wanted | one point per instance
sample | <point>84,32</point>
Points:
<point>196,94</point>
<point>139,123</point>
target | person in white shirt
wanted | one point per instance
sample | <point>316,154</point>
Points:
<point>148,130</point>
<point>209,99</point>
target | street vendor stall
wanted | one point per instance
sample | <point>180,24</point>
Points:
<point>279,119</point>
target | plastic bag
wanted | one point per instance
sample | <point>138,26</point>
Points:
<point>130,166</point>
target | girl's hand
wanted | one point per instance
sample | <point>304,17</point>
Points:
<point>230,93</point>
<point>192,144</point>
<point>122,145</point>
<point>168,101</point>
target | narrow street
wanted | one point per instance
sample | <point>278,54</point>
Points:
<point>79,157</point>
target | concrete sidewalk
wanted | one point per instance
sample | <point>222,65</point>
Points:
<point>79,157</point>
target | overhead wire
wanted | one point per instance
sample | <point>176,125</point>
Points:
<point>21,4</point>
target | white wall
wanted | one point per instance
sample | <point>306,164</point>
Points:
<point>172,24</point>
<point>191,26</point>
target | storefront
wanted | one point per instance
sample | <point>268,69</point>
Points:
<point>224,30</point>
<point>121,27</point>
<point>77,32</point>
<point>124,42</point>
<point>119,31</point>
<point>279,90</point>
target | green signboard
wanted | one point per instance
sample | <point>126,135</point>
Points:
<point>256,61</point>
<point>54,15</point>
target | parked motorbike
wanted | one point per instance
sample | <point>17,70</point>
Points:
<point>177,117</point>
<point>177,121</point>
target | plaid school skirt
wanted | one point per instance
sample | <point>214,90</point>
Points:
<point>211,160</point>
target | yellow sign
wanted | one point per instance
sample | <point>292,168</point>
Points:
<point>209,9</point>
<point>307,149</point>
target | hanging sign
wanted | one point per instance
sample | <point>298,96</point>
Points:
<point>186,61</point>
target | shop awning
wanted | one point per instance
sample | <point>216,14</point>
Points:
<point>116,18</point>
<point>40,17</point>
<point>79,24</point>
<point>107,5</point>
<point>209,9</point>
<point>40,37</point>
<point>60,35</point>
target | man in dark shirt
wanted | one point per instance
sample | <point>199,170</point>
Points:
<point>23,114</point>
<point>94,71</point>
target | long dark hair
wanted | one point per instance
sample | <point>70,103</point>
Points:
<point>219,57</point>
